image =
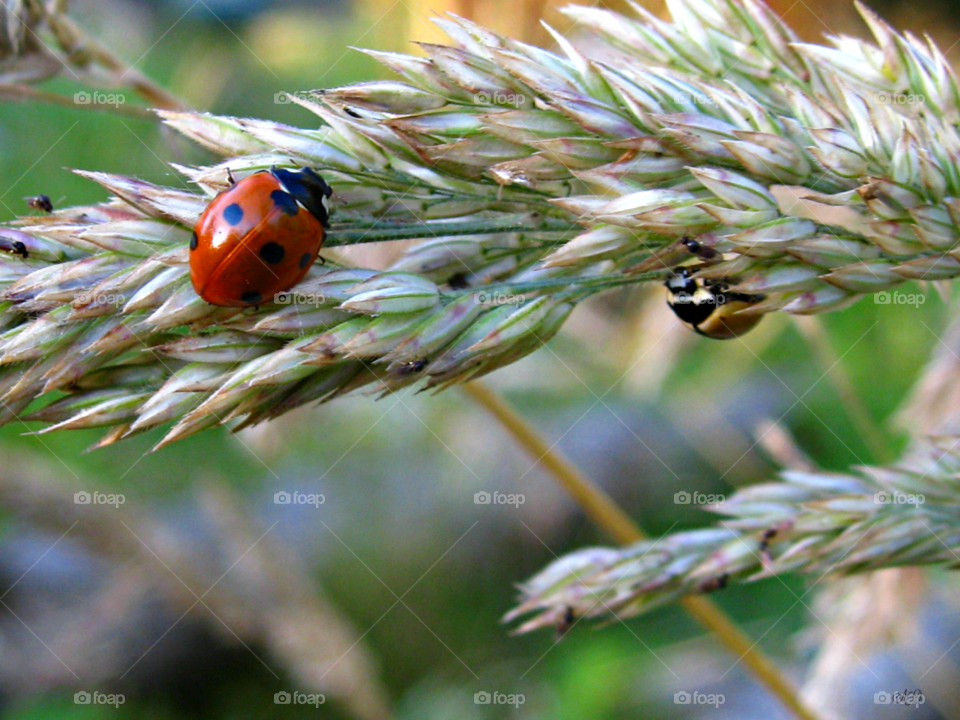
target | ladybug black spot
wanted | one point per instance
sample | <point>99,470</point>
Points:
<point>193,241</point>
<point>272,253</point>
<point>233,214</point>
<point>251,297</point>
<point>304,260</point>
<point>285,202</point>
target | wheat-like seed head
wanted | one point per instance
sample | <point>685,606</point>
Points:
<point>814,522</point>
<point>534,180</point>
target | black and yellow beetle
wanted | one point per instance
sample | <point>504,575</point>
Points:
<point>706,304</point>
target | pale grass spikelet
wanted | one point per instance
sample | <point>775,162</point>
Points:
<point>821,523</point>
<point>532,179</point>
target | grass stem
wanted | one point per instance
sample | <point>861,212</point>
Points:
<point>606,514</point>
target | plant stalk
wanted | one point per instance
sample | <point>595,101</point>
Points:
<point>83,47</point>
<point>380,232</point>
<point>25,93</point>
<point>831,364</point>
<point>606,514</point>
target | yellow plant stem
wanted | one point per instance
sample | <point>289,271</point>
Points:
<point>605,513</point>
<point>82,48</point>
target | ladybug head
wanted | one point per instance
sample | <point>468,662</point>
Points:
<point>308,188</point>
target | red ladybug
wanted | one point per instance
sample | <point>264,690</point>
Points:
<point>259,238</point>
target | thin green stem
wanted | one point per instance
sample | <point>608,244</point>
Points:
<point>500,195</point>
<point>813,331</point>
<point>377,232</point>
<point>24,93</point>
<point>578,285</point>
<point>606,514</point>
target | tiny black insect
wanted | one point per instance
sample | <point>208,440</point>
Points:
<point>459,281</point>
<point>713,584</point>
<point>565,623</point>
<point>699,249</point>
<point>768,537</point>
<point>20,249</point>
<point>412,367</point>
<point>40,202</point>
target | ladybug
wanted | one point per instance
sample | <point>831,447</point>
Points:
<point>259,237</point>
<point>708,306</point>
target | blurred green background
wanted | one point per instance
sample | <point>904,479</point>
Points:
<point>643,406</point>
